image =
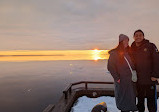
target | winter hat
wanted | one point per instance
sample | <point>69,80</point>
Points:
<point>122,37</point>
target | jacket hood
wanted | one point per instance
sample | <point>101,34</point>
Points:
<point>115,50</point>
<point>112,51</point>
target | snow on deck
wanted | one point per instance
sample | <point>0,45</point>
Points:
<point>85,104</point>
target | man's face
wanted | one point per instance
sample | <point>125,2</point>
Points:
<point>138,37</point>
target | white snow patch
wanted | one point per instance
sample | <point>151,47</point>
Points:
<point>86,104</point>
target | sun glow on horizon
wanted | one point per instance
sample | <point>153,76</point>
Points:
<point>52,55</point>
<point>97,54</point>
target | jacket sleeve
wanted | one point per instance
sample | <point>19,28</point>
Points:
<point>112,67</point>
<point>155,60</point>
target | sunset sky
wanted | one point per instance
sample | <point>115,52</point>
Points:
<point>74,24</point>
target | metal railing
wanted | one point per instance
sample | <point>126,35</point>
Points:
<point>69,88</point>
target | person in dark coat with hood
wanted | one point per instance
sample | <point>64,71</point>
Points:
<point>144,54</point>
<point>119,69</point>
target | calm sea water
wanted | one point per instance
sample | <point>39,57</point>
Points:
<point>31,86</point>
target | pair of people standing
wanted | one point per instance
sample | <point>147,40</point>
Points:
<point>140,57</point>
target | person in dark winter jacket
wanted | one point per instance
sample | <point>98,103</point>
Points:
<point>144,55</point>
<point>119,69</point>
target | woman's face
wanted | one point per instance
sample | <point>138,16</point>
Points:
<point>126,43</point>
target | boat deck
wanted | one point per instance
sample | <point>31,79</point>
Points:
<point>70,95</point>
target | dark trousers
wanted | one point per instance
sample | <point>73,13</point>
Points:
<point>148,91</point>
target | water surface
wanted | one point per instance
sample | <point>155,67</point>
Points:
<point>30,83</point>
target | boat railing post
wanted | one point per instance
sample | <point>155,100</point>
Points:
<point>70,90</point>
<point>65,93</point>
<point>86,85</point>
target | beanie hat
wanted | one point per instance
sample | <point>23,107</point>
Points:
<point>122,37</point>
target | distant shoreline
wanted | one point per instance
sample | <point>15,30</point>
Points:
<point>29,55</point>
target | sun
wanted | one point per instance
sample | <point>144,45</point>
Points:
<point>95,49</point>
<point>96,54</point>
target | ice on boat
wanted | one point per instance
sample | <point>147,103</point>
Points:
<point>85,104</point>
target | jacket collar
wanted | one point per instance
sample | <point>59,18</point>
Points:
<point>142,43</point>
